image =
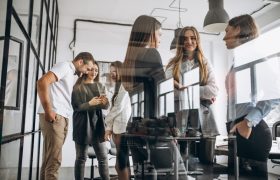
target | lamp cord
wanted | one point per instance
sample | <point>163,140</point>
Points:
<point>180,23</point>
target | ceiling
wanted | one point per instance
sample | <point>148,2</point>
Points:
<point>166,11</point>
<point>103,38</point>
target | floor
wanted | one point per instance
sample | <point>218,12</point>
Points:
<point>210,172</point>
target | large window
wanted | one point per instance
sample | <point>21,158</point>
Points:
<point>137,104</point>
<point>166,97</point>
<point>257,65</point>
<point>28,42</point>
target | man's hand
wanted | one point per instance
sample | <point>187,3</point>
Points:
<point>50,116</point>
<point>242,129</point>
<point>108,135</point>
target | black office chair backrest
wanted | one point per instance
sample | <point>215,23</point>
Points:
<point>162,155</point>
<point>276,130</point>
<point>275,133</point>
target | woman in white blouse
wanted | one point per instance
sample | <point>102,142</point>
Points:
<point>117,119</point>
<point>189,55</point>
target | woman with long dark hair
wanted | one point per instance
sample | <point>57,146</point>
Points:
<point>142,65</point>
<point>117,119</point>
<point>143,68</point>
<point>88,125</point>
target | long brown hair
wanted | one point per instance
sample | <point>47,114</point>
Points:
<point>142,33</point>
<point>176,61</point>
<point>118,66</point>
<point>81,80</point>
<point>248,27</point>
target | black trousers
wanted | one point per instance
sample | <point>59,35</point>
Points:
<point>258,145</point>
<point>256,148</point>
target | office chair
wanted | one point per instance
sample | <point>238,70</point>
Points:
<point>146,156</point>
<point>275,133</point>
<point>92,156</point>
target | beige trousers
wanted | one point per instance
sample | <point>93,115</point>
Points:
<point>54,135</point>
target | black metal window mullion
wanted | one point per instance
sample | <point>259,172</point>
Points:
<point>50,53</point>
<point>56,34</point>
<point>138,104</point>
<point>164,103</point>
<point>53,24</point>
<point>26,74</point>
<point>47,5</point>
<point>46,30</point>
<point>37,76</point>
<point>253,84</point>
<point>5,64</point>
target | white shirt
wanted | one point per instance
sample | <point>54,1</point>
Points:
<point>61,90</point>
<point>118,117</point>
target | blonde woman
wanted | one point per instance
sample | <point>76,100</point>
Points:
<point>189,55</point>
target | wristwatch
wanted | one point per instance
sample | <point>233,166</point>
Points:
<point>249,124</point>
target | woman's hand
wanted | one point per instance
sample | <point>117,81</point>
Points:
<point>242,129</point>
<point>95,101</point>
<point>108,135</point>
<point>104,100</point>
<point>179,86</point>
<point>213,99</point>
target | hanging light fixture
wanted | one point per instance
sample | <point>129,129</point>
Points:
<point>177,31</point>
<point>175,39</point>
<point>216,18</point>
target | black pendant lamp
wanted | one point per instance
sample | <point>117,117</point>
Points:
<point>216,18</point>
<point>177,31</point>
<point>175,39</point>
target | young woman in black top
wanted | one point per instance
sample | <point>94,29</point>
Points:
<point>88,125</point>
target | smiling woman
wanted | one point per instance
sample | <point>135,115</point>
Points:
<point>88,124</point>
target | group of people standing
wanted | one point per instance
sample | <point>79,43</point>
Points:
<point>61,92</point>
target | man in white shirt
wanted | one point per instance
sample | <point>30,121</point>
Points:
<point>54,90</point>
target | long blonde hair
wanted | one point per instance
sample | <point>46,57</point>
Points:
<point>142,33</point>
<point>177,60</point>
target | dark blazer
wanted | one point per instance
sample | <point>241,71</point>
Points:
<point>88,121</point>
<point>149,70</point>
